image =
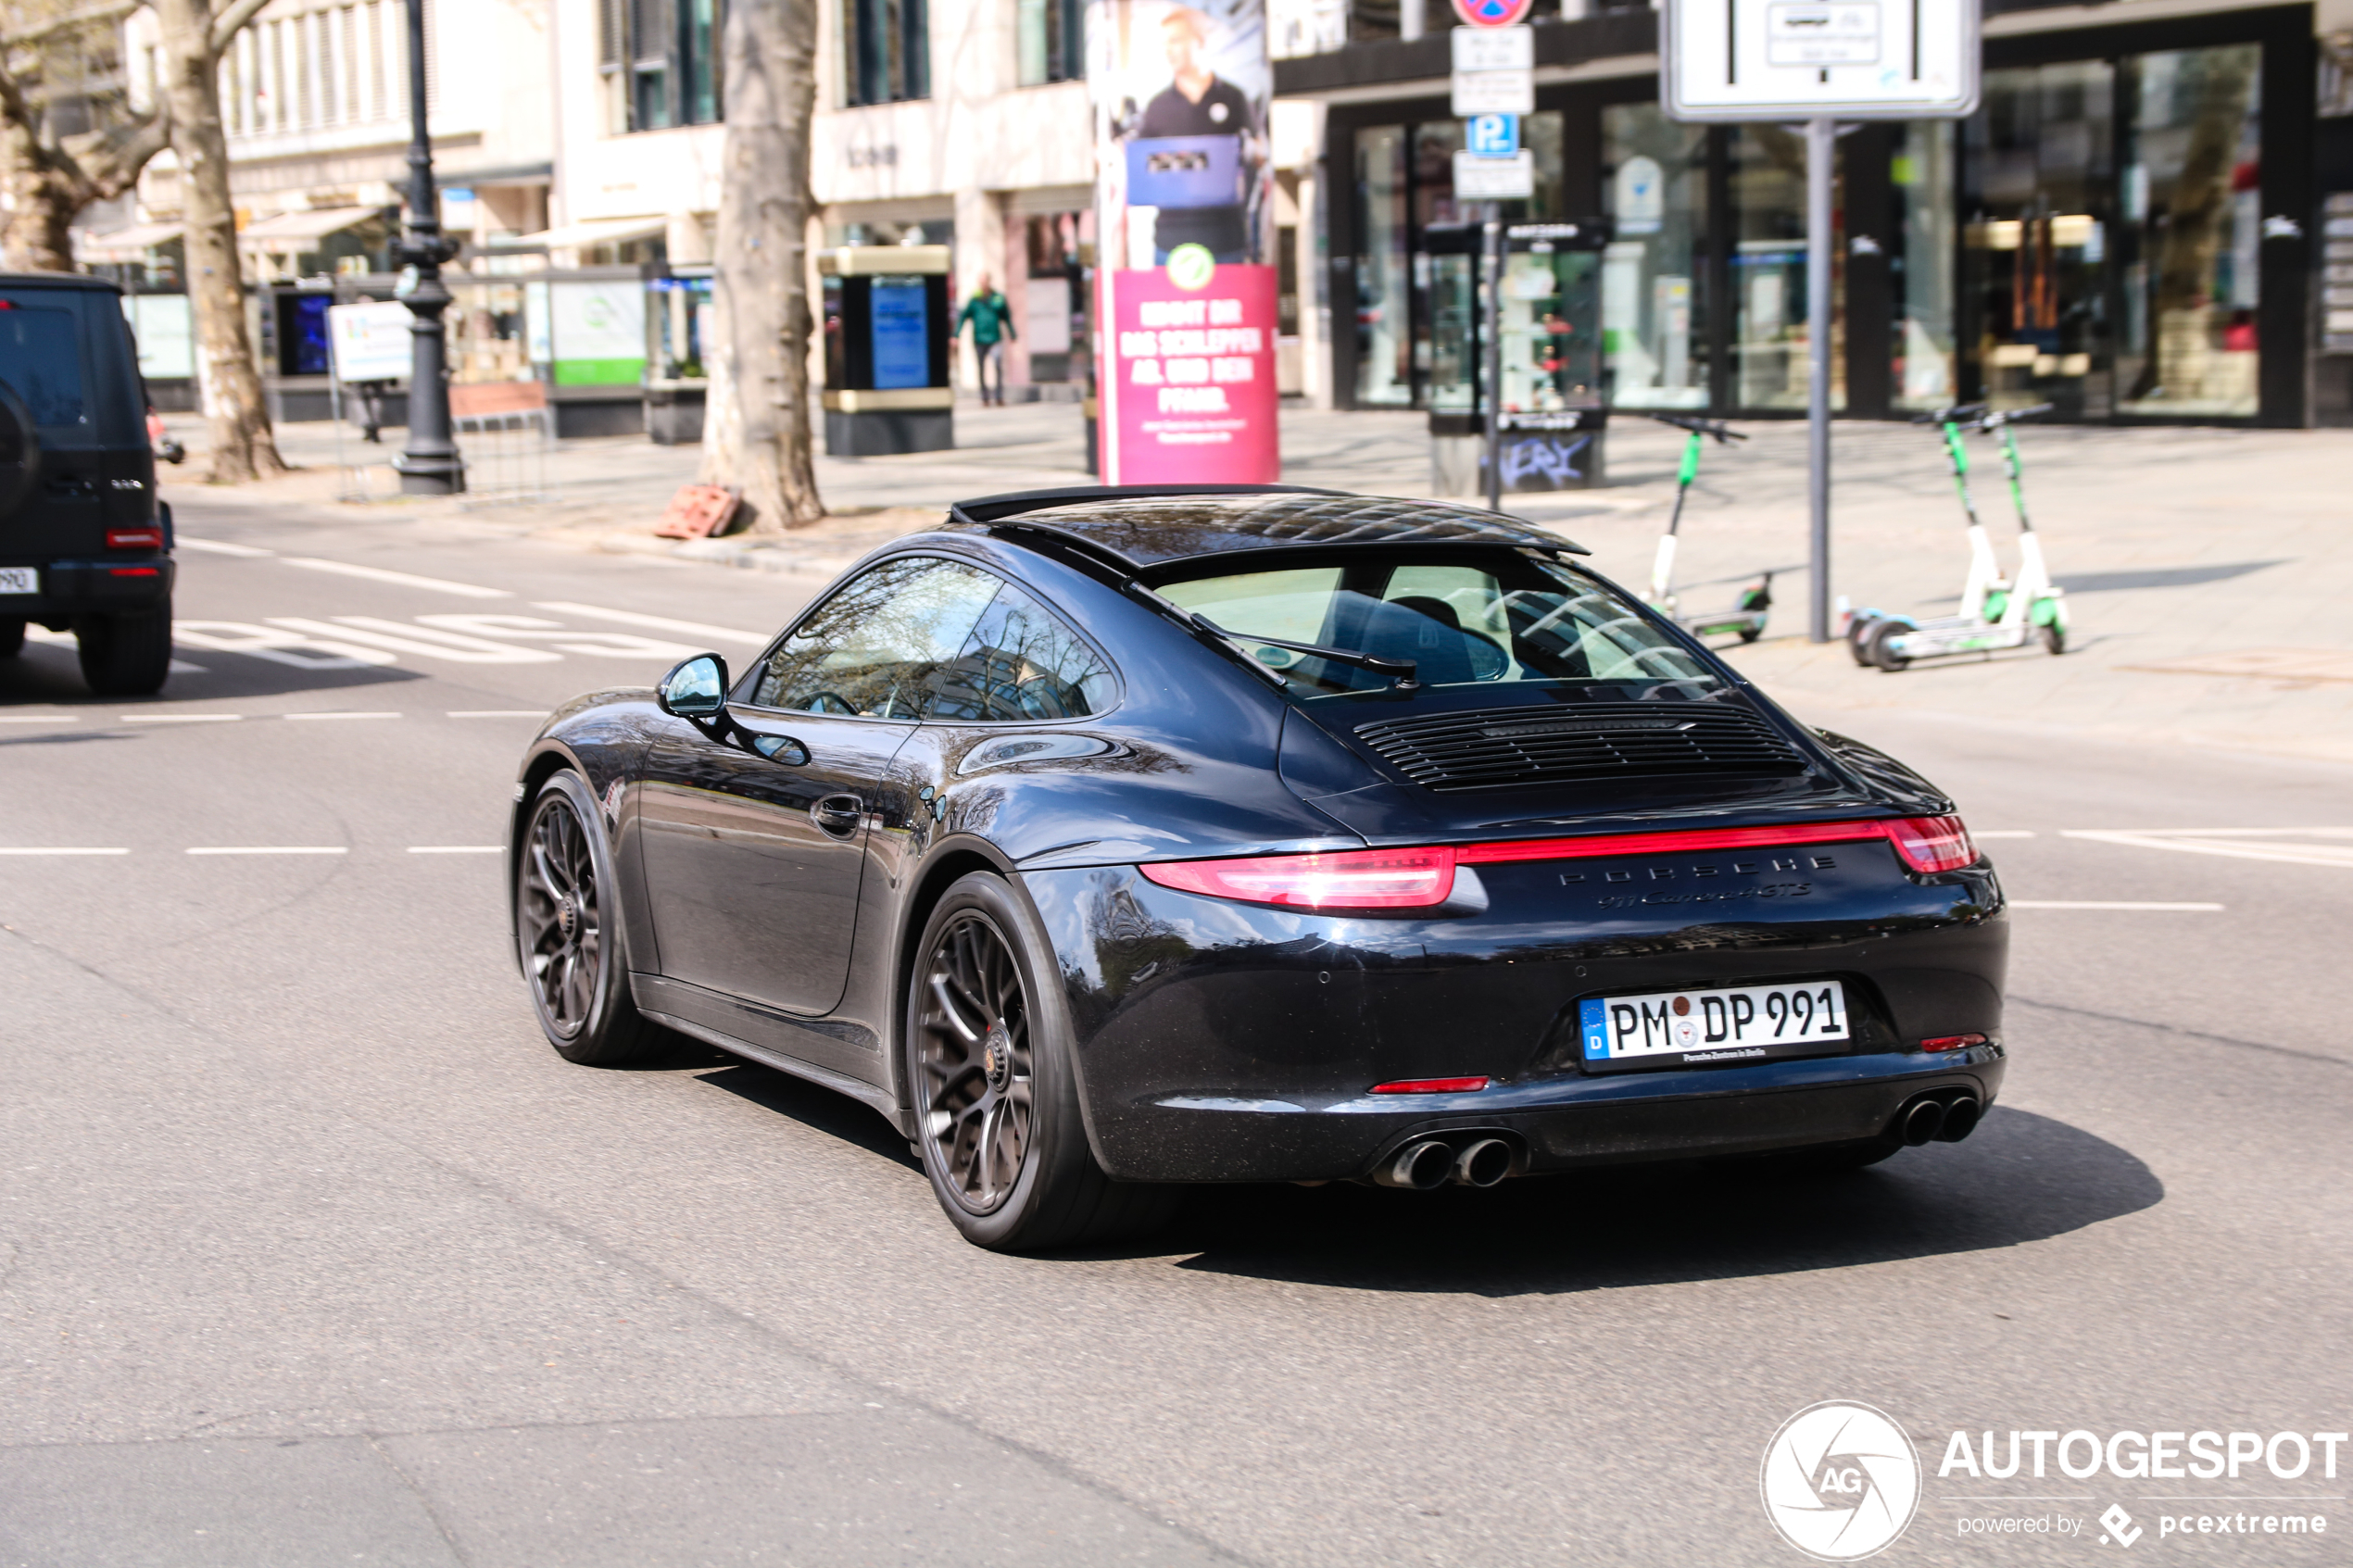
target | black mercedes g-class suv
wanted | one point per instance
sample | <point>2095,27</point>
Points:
<point>85,546</point>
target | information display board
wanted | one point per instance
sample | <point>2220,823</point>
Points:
<point>371,342</point>
<point>1734,60</point>
<point>900,324</point>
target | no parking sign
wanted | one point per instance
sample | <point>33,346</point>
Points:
<point>1492,13</point>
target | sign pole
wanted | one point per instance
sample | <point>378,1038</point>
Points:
<point>1821,147</point>
<point>1492,263</point>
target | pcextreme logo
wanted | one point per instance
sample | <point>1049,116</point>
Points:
<point>1841,1481</point>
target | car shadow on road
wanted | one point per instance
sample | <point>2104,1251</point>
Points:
<point>2020,1178</point>
<point>814,1107</point>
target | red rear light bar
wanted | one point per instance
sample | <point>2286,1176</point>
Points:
<point>1432,1087</point>
<point>1405,879</point>
<point>135,538</point>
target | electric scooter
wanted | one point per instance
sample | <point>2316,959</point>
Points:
<point>1994,613</point>
<point>1747,617</point>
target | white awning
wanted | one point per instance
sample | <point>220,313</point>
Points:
<point>605,232</point>
<point>293,232</point>
<point>125,245</point>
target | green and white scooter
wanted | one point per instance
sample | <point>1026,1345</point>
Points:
<point>1746,617</point>
<point>1994,613</point>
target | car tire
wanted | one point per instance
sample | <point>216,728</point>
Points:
<point>992,1077</point>
<point>125,655</point>
<point>11,635</point>
<point>567,926</point>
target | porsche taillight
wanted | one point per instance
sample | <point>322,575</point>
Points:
<point>1352,879</point>
<point>1932,844</point>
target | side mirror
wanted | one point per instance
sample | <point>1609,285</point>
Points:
<point>695,689</point>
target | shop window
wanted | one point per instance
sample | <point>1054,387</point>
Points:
<point>1770,361</point>
<point>1384,318</point>
<point>1654,316</point>
<point>2192,231</point>
<point>2037,249</point>
<point>1921,178</point>
<point>660,62</point>
<point>886,51</point>
<point>1050,38</point>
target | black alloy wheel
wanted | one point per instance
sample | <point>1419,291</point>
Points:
<point>976,1097</point>
<point>569,951</point>
<point>991,1076</point>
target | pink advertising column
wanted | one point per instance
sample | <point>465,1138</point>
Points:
<point>1184,295</point>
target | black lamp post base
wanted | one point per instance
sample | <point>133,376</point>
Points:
<point>430,476</point>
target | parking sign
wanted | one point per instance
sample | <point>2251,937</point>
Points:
<point>1493,135</point>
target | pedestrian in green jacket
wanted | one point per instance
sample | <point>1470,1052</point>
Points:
<point>992,324</point>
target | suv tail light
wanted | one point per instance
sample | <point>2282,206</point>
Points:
<point>135,538</point>
<point>1354,879</point>
<point>1412,878</point>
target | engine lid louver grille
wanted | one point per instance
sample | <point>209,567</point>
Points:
<point>1515,745</point>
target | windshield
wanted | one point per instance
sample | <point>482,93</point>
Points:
<point>1494,617</point>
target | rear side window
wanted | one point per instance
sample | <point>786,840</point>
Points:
<point>1020,662</point>
<point>40,360</point>
<point>872,648</point>
<point>1498,617</point>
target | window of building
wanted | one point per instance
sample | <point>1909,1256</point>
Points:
<point>660,63</point>
<point>1925,372</point>
<point>1771,359</point>
<point>886,50</point>
<point>1050,37</point>
<point>1654,332</point>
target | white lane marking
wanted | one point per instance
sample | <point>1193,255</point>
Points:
<point>41,851</point>
<point>277,646</point>
<point>271,850</point>
<point>64,639</point>
<point>529,628</point>
<point>2108,904</point>
<point>397,637</point>
<point>2241,844</point>
<point>39,719</point>
<point>182,666</point>
<point>454,849</point>
<point>2001,833</point>
<point>343,716</point>
<point>659,623</point>
<point>181,718</point>
<point>405,579</point>
<point>217,547</point>
<point>498,713</point>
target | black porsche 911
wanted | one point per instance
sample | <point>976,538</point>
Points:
<point>1107,841</point>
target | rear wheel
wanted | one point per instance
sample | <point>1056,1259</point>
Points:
<point>567,932</point>
<point>1857,631</point>
<point>1879,645</point>
<point>2053,637</point>
<point>11,635</point>
<point>990,1073</point>
<point>127,655</point>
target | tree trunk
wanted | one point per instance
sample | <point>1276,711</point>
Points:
<point>243,447</point>
<point>756,418</point>
<point>49,184</point>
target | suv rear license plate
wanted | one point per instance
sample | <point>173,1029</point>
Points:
<point>1695,1028</point>
<point>19,580</point>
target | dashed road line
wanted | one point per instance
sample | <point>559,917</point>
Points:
<point>2001,833</point>
<point>270,849</point>
<point>39,719</point>
<point>2112,904</point>
<point>50,849</point>
<point>498,713</point>
<point>180,718</point>
<point>658,622</point>
<point>217,546</point>
<point>2279,845</point>
<point>383,715</point>
<point>455,849</point>
<point>404,579</point>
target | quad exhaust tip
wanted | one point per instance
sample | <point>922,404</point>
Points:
<point>1483,1164</point>
<point>1931,1119</point>
<point>1422,1165</point>
<point>1922,1123</point>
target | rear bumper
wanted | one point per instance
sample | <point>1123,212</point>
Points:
<point>115,585</point>
<point>1561,1124</point>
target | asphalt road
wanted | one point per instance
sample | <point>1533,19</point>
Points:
<point>312,1252</point>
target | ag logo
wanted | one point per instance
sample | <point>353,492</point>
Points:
<point>1841,1481</point>
<point>1192,267</point>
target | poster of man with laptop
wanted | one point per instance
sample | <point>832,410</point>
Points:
<point>1180,90</point>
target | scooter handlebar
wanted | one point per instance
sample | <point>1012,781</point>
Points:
<point>1723,433</point>
<point>1995,418</point>
<point>1955,414</point>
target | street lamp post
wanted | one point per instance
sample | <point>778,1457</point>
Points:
<point>429,464</point>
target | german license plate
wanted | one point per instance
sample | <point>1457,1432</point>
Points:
<point>19,580</point>
<point>1695,1028</point>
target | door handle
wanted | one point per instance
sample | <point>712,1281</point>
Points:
<point>837,814</point>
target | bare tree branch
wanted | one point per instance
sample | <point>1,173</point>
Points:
<point>67,22</point>
<point>225,25</point>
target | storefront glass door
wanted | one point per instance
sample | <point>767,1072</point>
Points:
<point>1770,355</point>
<point>1655,321</point>
<point>2192,234</point>
<point>1384,315</point>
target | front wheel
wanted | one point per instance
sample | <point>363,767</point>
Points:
<point>2053,637</point>
<point>567,936</point>
<point>994,1089</point>
<point>1878,646</point>
<point>125,655</point>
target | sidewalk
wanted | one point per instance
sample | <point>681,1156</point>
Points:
<point>2209,572</point>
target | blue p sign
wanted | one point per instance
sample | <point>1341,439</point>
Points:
<point>1494,135</point>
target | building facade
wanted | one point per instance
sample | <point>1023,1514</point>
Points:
<point>2135,226</point>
